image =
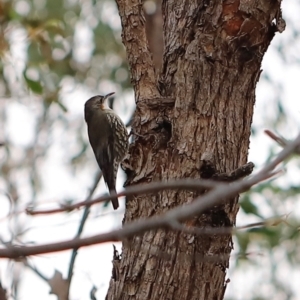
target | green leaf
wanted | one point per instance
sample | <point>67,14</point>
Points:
<point>62,106</point>
<point>33,85</point>
<point>248,207</point>
<point>243,242</point>
<point>55,24</point>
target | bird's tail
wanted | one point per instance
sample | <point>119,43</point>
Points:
<point>114,201</point>
<point>112,186</point>
<point>110,175</point>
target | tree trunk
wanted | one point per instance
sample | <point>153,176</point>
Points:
<point>201,102</point>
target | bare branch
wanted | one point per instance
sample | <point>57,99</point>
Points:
<point>35,270</point>
<point>81,225</point>
<point>222,192</point>
<point>192,184</point>
<point>280,140</point>
<point>134,38</point>
<point>271,222</point>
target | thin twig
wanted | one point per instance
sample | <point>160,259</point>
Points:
<point>80,229</point>
<point>181,184</point>
<point>35,270</point>
<point>82,222</point>
<point>224,230</point>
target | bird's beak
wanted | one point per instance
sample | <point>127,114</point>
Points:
<point>108,95</point>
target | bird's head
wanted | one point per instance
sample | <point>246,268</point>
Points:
<point>98,101</point>
<point>95,103</point>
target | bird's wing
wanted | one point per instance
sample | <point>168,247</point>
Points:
<point>104,152</point>
<point>120,137</point>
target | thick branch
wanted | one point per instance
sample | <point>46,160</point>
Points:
<point>135,41</point>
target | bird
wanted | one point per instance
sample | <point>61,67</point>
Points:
<point>108,137</point>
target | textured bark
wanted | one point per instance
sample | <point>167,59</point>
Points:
<point>154,31</point>
<point>201,102</point>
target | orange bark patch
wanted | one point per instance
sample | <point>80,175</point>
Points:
<point>233,17</point>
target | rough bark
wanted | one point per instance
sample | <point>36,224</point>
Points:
<point>201,102</point>
<point>154,31</point>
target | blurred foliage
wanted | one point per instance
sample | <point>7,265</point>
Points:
<point>49,46</point>
<point>54,55</point>
<point>270,252</point>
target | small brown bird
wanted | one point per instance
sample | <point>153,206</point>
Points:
<point>108,137</point>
